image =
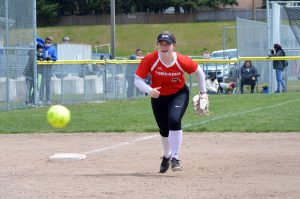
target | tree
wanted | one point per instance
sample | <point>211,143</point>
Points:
<point>52,9</point>
<point>215,4</point>
<point>47,13</point>
<point>99,6</point>
<point>264,3</point>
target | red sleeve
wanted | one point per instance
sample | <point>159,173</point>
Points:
<point>187,63</point>
<point>144,67</point>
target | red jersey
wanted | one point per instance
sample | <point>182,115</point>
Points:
<point>169,78</point>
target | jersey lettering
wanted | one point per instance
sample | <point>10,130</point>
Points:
<point>169,78</point>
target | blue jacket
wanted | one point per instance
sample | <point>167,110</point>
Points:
<point>40,41</point>
<point>49,52</point>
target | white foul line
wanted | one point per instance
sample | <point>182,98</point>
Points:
<point>120,144</point>
<point>116,146</point>
<point>241,113</point>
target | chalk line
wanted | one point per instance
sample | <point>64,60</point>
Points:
<point>115,146</point>
<point>240,113</point>
<point>121,144</point>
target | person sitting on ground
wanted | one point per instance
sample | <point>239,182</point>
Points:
<point>129,73</point>
<point>226,88</point>
<point>212,84</point>
<point>248,75</point>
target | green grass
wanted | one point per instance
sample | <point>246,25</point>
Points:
<point>229,113</point>
<point>192,38</point>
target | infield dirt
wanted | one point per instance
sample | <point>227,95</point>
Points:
<point>125,166</point>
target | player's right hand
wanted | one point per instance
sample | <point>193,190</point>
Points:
<point>154,93</point>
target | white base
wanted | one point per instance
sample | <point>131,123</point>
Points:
<point>67,157</point>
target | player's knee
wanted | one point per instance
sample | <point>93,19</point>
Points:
<point>175,123</point>
<point>164,132</point>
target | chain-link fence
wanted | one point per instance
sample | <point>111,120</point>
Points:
<point>17,33</point>
<point>256,38</point>
<point>92,81</point>
<point>74,82</point>
<point>252,40</point>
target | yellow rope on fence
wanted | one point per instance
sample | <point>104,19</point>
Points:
<point>113,61</point>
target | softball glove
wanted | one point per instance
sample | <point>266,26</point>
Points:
<point>201,104</point>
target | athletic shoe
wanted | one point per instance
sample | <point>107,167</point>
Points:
<point>164,166</point>
<point>175,165</point>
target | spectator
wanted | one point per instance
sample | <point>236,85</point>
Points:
<point>29,79</point>
<point>49,54</point>
<point>248,75</point>
<point>130,69</point>
<point>212,84</point>
<point>137,55</point>
<point>29,73</point>
<point>226,88</point>
<point>278,65</point>
<point>39,53</point>
<point>66,40</point>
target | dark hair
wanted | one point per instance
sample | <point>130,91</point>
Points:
<point>277,47</point>
<point>246,62</point>
<point>212,76</point>
<point>38,46</point>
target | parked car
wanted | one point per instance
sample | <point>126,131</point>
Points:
<point>221,70</point>
<point>231,54</point>
<point>228,53</point>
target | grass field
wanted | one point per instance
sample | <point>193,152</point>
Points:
<point>192,38</point>
<point>229,113</point>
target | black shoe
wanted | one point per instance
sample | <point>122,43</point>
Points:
<point>277,92</point>
<point>164,166</point>
<point>175,165</point>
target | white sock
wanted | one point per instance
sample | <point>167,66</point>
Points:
<point>175,139</point>
<point>166,147</point>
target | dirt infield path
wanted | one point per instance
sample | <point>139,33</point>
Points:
<point>125,166</point>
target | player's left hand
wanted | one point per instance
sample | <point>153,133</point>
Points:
<point>201,104</point>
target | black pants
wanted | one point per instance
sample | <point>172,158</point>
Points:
<point>169,110</point>
<point>250,82</point>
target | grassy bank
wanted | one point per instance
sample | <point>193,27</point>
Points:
<point>192,38</point>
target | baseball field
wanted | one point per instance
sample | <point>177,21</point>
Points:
<point>248,147</point>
